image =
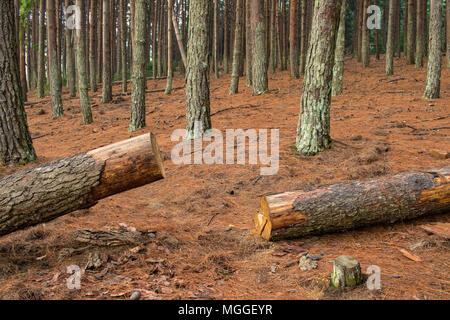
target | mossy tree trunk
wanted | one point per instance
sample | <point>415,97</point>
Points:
<point>15,142</point>
<point>197,73</point>
<point>303,37</point>
<point>81,65</point>
<point>273,37</point>
<point>137,119</point>
<point>433,85</point>
<point>338,70</point>
<point>260,81</point>
<point>313,132</point>
<point>390,39</point>
<point>106,70</point>
<point>237,53</point>
<point>54,72</point>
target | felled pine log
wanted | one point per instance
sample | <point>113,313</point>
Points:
<point>42,193</point>
<point>349,205</point>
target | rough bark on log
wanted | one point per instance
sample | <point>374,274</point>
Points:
<point>45,192</point>
<point>348,205</point>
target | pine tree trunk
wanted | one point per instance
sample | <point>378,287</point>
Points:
<point>225,36</point>
<point>15,141</point>
<point>70,59</point>
<point>303,36</point>
<point>215,38</point>
<point>100,42</point>
<point>43,193</point>
<point>81,65</point>
<point>106,72</point>
<point>123,43</point>
<point>169,48</point>
<point>137,119</point>
<point>448,35</point>
<point>410,33</point>
<point>390,39</point>
<point>198,118</point>
<point>420,35</point>
<point>54,72</point>
<point>260,81</point>
<point>365,41</point>
<point>249,44</point>
<point>433,85</point>
<point>237,54</point>
<point>273,43</point>
<point>41,52</point>
<point>313,132</point>
<point>179,39</point>
<point>23,73</point>
<point>93,47</point>
<point>339,56</point>
<point>293,49</point>
<point>35,44</point>
<point>154,40</point>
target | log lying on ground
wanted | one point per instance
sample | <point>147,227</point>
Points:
<point>43,193</point>
<point>348,205</point>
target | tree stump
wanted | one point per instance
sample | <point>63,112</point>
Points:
<point>346,272</point>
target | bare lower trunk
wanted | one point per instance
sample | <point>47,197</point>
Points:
<point>137,119</point>
<point>237,53</point>
<point>15,141</point>
<point>390,39</point>
<point>313,132</point>
<point>106,35</point>
<point>198,118</point>
<point>260,80</point>
<point>338,70</point>
<point>433,85</point>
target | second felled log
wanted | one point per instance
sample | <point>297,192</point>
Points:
<point>348,205</point>
<point>45,192</point>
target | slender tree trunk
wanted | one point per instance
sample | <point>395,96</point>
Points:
<point>433,85</point>
<point>303,36</point>
<point>410,34</point>
<point>93,46</point>
<point>154,40</point>
<point>15,141</point>
<point>54,71</point>
<point>338,70</point>
<point>81,65</point>
<point>123,43</point>
<point>70,60</point>
<point>390,39</point>
<point>169,47</point>
<point>273,43</point>
<point>237,48</point>
<point>137,119</point>
<point>35,44</point>
<point>249,44</point>
<point>215,38</point>
<point>313,132</point>
<point>420,35</point>
<point>225,36</point>
<point>41,52</point>
<point>448,34</point>
<point>179,39</point>
<point>293,49</point>
<point>260,81</point>
<point>107,78</point>
<point>365,45</point>
<point>23,73</point>
<point>198,119</point>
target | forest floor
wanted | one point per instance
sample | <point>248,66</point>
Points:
<point>202,215</point>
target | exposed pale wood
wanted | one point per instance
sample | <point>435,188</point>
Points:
<point>43,193</point>
<point>348,205</point>
<point>346,272</point>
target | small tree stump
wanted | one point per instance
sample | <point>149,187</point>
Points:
<point>346,272</point>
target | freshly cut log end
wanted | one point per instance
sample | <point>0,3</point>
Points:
<point>349,205</point>
<point>45,192</point>
<point>346,272</point>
